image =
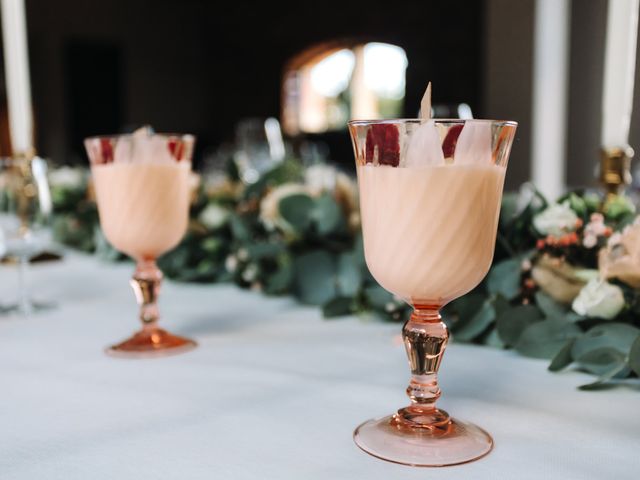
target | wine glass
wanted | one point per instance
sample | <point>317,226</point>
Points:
<point>142,190</point>
<point>430,194</point>
<point>25,210</point>
<point>260,147</point>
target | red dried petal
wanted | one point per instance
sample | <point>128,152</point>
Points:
<point>384,139</point>
<point>176,148</point>
<point>451,140</point>
<point>106,151</point>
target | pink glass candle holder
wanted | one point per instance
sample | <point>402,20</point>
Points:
<point>430,194</point>
<point>142,190</point>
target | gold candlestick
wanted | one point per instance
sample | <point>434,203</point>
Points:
<point>615,169</point>
<point>26,189</point>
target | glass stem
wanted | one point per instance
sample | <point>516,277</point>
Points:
<point>425,338</point>
<point>146,282</point>
<point>23,287</point>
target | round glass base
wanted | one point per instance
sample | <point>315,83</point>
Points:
<point>451,444</point>
<point>151,342</point>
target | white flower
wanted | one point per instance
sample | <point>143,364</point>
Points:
<point>527,196</point>
<point>589,241</point>
<point>250,273</point>
<point>614,239</point>
<point>243,254</point>
<point>269,207</point>
<point>214,216</point>
<point>599,299</point>
<point>231,263</point>
<point>67,177</point>
<point>321,178</point>
<point>556,220</point>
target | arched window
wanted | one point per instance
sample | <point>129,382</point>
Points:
<point>327,85</point>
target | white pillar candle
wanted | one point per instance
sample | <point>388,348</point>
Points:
<point>619,71</point>
<point>550,74</point>
<point>16,67</point>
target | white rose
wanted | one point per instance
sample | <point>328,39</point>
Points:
<point>320,178</point>
<point>269,206</point>
<point>556,220</point>
<point>67,177</point>
<point>599,299</point>
<point>214,216</point>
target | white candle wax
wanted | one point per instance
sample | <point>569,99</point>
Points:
<point>16,67</point>
<point>619,71</point>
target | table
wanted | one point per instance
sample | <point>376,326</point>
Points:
<point>272,392</point>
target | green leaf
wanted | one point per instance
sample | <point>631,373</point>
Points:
<point>297,210</point>
<point>562,358</point>
<point>212,244</point>
<point>314,281</point>
<point>466,307</point>
<point>504,278</point>
<point>601,360</point>
<point>349,274</point>
<point>577,204</point>
<point>512,322</point>
<point>478,323</point>
<point>327,215</point>
<point>545,339</point>
<point>337,307</point>
<point>258,251</point>
<point>604,346</point>
<point>602,382</point>
<point>493,340</point>
<point>377,297</point>
<point>619,336</point>
<point>634,356</point>
<point>239,229</point>
<point>280,281</point>
<point>549,306</point>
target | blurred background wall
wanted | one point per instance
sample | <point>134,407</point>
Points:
<point>197,66</point>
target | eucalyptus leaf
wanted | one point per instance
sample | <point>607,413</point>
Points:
<point>478,323</point>
<point>240,229</point>
<point>604,346</point>
<point>337,307</point>
<point>549,306</point>
<point>545,339</point>
<point>297,211</point>
<point>349,274</point>
<point>634,356</point>
<point>258,251</point>
<point>327,215</point>
<point>512,322</point>
<point>619,336</point>
<point>315,281</point>
<point>493,340</point>
<point>563,357</point>
<point>606,377</point>
<point>504,278</point>
<point>465,308</point>
<point>601,360</point>
<point>377,297</point>
<point>280,281</point>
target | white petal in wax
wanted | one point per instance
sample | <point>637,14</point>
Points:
<point>425,147</point>
<point>474,144</point>
<point>122,150</point>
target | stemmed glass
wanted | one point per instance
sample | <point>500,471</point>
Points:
<point>430,194</point>
<point>25,209</point>
<point>142,190</point>
<point>259,147</point>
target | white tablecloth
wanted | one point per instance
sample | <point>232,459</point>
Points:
<point>272,392</point>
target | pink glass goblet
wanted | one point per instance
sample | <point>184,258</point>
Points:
<point>430,194</point>
<point>142,191</point>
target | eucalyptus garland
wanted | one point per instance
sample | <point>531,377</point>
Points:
<point>564,284</point>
